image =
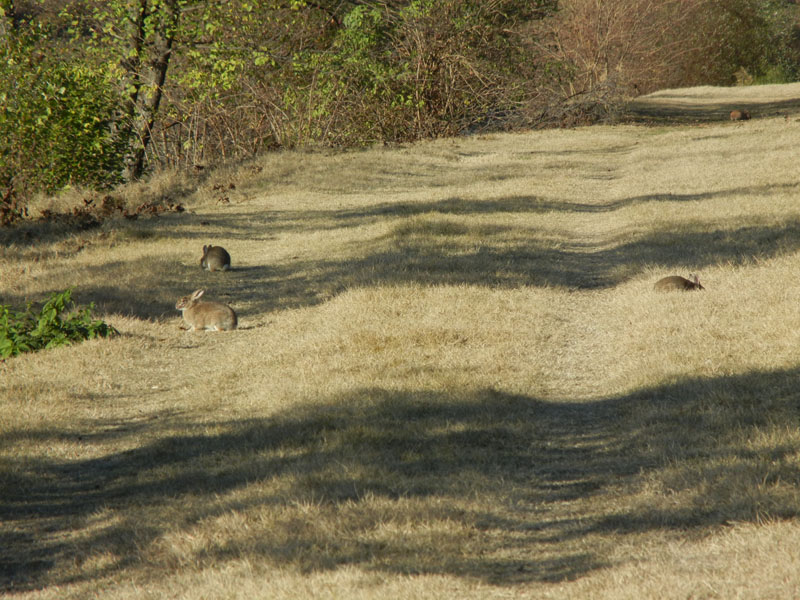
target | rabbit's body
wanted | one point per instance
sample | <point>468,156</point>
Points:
<point>206,315</point>
<point>678,283</point>
<point>215,258</point>
<point>739,115</point>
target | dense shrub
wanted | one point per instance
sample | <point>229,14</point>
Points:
<point>84,99</point>
<point>352,73</point>
<point>428,69</point>
<point>362,73</point>
<point>621,48</point>
<point>55,118</point>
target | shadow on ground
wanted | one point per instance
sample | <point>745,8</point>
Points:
<point>331,475</point>
<point>659,111</point>
<point>427,246</point>
<point>273,223</point>
<point>431,248</point>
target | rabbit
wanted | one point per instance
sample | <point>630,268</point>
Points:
<point>677,283</point>
<point>206,315</point>
<point>215,258</point>
<point>739,115</point>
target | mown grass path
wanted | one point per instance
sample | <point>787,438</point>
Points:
<point>452,378</point>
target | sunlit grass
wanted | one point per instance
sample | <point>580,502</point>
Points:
<point>452,379</point>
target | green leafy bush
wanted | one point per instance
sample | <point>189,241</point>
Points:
<point>30,330</point>
<point>86,97</point>
<point>408,71</point>
<point>55,117</point>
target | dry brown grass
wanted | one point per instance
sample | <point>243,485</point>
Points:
<point>452,379</point>
<point>708,103</point>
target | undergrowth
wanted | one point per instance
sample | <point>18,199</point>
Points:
<point>33,330</point>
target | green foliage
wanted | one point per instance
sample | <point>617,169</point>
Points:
<point>336,88</point>
<point>779,60</point>
<point>81,84</point>
<point>758,36</point>
<point>776,74</point>
<point>54,117</point>
<point>413,70</point>
<point>30,330</point>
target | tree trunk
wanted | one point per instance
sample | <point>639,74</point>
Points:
<point>147,72</point>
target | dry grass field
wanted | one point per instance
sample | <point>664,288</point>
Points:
<point>452,377</point>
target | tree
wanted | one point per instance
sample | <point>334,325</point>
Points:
<point>141,35</point>
<point>54,113</point>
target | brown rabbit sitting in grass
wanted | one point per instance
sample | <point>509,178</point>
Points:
<point>739,115</point>
<point>677,283</point>
<point>206,315</point>
<point>215,258</point>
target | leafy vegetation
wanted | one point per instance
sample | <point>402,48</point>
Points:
<point>33,330</point>
<point>97,91</point>
<point>54,118</point>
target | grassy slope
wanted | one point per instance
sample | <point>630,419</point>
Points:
<point>452,379</point>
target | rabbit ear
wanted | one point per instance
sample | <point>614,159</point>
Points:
<point>697,279</point>
<point>197,294</point>
<point>205,249</point>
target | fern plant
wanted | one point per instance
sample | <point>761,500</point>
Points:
<point>34,330</point>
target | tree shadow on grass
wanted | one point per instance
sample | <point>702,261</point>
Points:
<point>432,250</point>
<point>521,477</point>
<point>425,250</point>
<point>265,225</point>
<point>525,205</point>
<point>428,246</point>
<point>658,111</point>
